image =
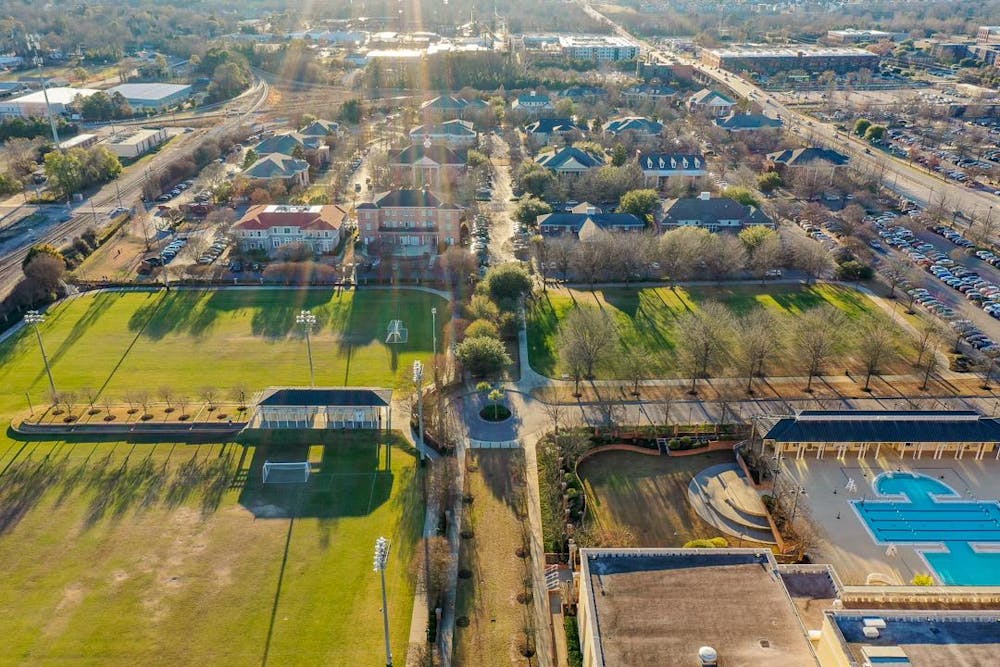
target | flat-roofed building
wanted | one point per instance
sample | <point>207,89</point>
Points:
<point>79,141</point>
<point>33,104</point>
<point>771,60</point>
<point>600,48</point>
<point>911,433</point>
<point>666,607</point>
<point>856,36</point>
<point>139,142</point>
<point>152,96</point>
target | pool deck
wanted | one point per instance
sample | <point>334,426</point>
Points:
<point>843,540</point>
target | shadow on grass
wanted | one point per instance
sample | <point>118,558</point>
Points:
<point>347,475</point>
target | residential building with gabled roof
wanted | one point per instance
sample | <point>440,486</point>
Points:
<point>290,143</point>
<point>320,128</point>
<point>570,160</point>
<point>449,106</point>
<point>812,156</point>
<point>544,129</point>
<point>657,167</point>
<point>292,172</point>
<point>453,133</point>
<point>638,125</point>
<point>710,101</point>
<point>712,213</point>
<point>648,92</point>
<point>411,222</point>
<point>532,103</point>
<point>432,165</point>
<point>272,226</point>
<point>584,225</point>
<point>747,122</point>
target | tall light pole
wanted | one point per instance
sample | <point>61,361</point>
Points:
<point>418,380</point>
<point>34,318</point>
<point>307,320</point>
<point>434,334</point>
<point>381,560</point>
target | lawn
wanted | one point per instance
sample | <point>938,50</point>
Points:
<point>497,518</point>
<point>646,318</point>
<point>125,553</point>
<point>647,494</point>
<point>220,338</point>
<point>171,553</point>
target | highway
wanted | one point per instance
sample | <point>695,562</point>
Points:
<point>908,181</point>
<point>128,187</point>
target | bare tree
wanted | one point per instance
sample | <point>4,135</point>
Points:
<point>556,415</point>
<point>572,445</point>
<point>758,339</point>
<point>167,396</point>
<point>586,338</point>
<point>725,257</point>
<point>816,336</point>
<point>67,399</point>
<point>182,401</point>
<point>634,365</point>
<point>143,397</point>
<point>680,250</point>
<point>91,395</point>
<point>875,345</point>
<point>895,271</point>
<point>560,251</point>
<point>811,258</point>
<point>929,334</point>
<point>931,364</point>
<point>208,394</point>
<point>703,339</point>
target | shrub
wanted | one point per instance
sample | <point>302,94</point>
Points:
<point>483,356</point>
<point>922,579</point>
<point>480,328</point>
<point>574,655</point>
<point>703,543</point>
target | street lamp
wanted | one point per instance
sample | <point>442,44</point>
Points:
<point>795,504</point>
<point>434,334</point>
<point>34,318</point>
<point>307,320</point>
<point>381,560</point>
<point>418,380</point>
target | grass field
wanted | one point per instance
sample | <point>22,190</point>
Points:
<point>124,553</point>
<point>170,553</point>
<point>647,494</point>
<point>488,599</point>
<point>190,339</point>
<point>646,318</point>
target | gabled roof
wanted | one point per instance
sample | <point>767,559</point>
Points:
<point>580,92</point>
<point>276,165</point>
<point>570,158</point>
<point>284,144</point>
<point>454,128</point>
<point>320,128</point>
<point>407,198</point>
<point>671,162</point>
<point>712,210</point>
<point>747,121</point>
<point>633,124</point>
<point>886,426</point>
<point>708,96</point>
<point>327,217</point>
<point>438,154</point>
<point>574,222</point>
<point>531,101</point>
<point>323,396</point>
<point>552,125</point>
<point>451,103</point>
<point>651,90</point>
<point>808,156</point>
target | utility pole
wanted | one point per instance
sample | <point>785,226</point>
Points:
<point>307,320</point>
<point>48,112</point>
<point>434,333</point>
<point>34,318</point>
<point>381,560</point>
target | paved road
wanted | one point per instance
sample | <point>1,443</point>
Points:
<point>908,181</point>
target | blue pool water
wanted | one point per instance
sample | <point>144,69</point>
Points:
<point>933,513</point>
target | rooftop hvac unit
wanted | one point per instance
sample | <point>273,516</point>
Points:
<point>870,632</point>
<point>708,657</point>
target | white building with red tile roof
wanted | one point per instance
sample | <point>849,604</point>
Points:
<point>270,227</point>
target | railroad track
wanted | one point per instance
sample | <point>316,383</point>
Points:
<point>129,187</point>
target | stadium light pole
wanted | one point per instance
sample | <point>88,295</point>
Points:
<point>418,380</point>
<point>434,334</point>
<point>381,560</point>
<point>34,318</point>
<point>307,320</point>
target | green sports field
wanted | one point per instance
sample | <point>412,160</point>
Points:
<point>170,553</point>
<point>191,339</point>
<point>646,319</point>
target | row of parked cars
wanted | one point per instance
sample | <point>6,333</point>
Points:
<point>213,252</point>
<point>179,188</point>
<point>480,245</point>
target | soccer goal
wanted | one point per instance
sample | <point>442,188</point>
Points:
<point>296,472</point>
<point>397,332</point>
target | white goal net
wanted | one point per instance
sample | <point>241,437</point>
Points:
<point>396,333</point>
<point>286,473</point>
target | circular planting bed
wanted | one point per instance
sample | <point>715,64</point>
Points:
<point>109,418</point>
<point>494,413</point>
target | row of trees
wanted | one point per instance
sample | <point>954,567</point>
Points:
<point>493,319</point>
<point>78,168</point>
<point>711,340</point>
<point>682,254</point>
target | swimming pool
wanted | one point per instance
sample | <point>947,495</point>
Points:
<point>920,510</point>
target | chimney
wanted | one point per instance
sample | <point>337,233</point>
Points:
<point>705,196</point>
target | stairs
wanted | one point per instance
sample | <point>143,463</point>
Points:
<point>722,496</point>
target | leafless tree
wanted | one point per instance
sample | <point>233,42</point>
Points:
<point>167,396</point>
<point>816,336</point>
<point>895,271</point>
<point>758,339</point>
<point>91,395</point>
<point>559,251</point>
<point>556,415</point>
<point>703,339</point>
<point>572,445</point>
<point>811,258</point>
<point>725,256</point>
<point>930,333</point>
<point>208,394</point>
<point>875,345</point>
<point>586,339</point>
<point>182,401</point>
<point>634,365</point>
<point>931,363</point>
<point>681,250</point>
